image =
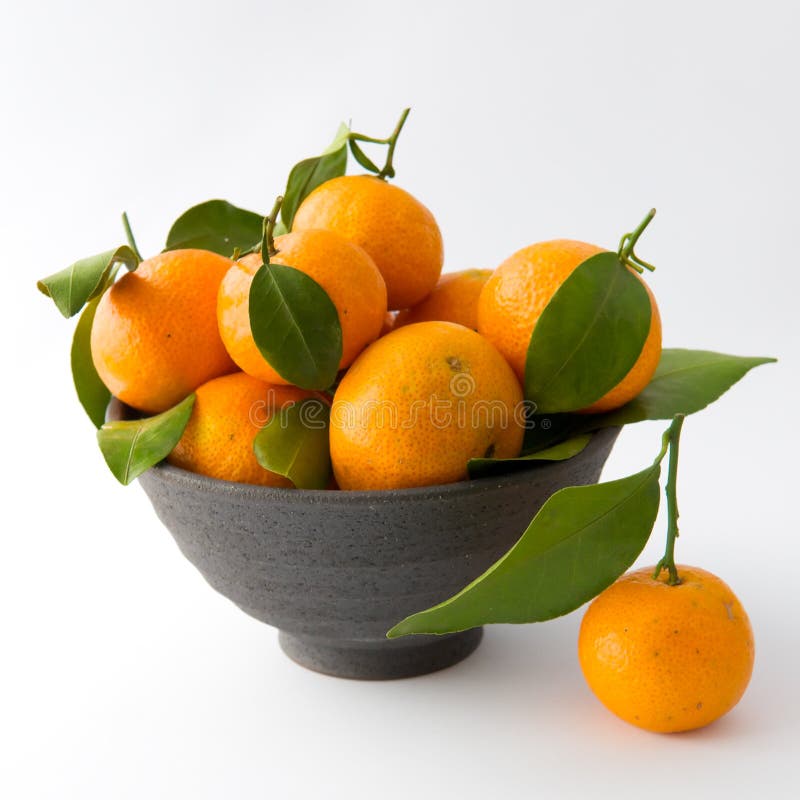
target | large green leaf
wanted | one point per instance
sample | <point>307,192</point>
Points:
<point>131,447</point>
<point>92,392</point>
<point>483,467</point>
<point>71,288</point>
<point>686,381</point>
<point>294,443</point>
<point>312,172</point>
<point>588,336</point>
<point>296,326</point>
<point>580,542</point>
<point>218,226</point>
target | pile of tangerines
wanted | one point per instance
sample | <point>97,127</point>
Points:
<point>180,324</point>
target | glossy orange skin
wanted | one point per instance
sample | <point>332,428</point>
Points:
<point>342,269</point>
<point>408,411</point>
<point>398,231</point>
<point>514,298</point>
<point>453,299</point>
<point>155,337</point>
<point>228,413</point>
<point>667,658</point>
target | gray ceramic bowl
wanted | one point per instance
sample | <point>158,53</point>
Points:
<point>335,570</point>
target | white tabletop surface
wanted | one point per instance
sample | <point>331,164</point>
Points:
<point>123,675</point>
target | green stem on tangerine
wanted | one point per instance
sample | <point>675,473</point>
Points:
<point>667,561</point>
<point>388,168</point>
<point>270,221</point>
<point>129,235</point>
<point>628,242</point>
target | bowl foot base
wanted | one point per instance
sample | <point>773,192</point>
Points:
<point>380,660</point>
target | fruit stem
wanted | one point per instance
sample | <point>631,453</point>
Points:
<point>129,235</point>
<point>668,559</point>
<point>628,242</point>
<point>270,221</point>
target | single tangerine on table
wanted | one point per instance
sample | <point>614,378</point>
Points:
<point>227,415</point>
<point>398,232</point>
<point>667,658</point>
<point>418,404</point>
<point>342,269</point>
<point>155,337</point>
<point>453,299</point>
<point>515,296</point>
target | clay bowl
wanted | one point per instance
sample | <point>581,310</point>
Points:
<point>334,570</point>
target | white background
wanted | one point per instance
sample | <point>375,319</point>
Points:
<point>123,674</point>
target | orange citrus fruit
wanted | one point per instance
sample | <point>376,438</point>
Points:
<point>667,658</point>
<point>418,404</point>
<point>398,231</point>
<point>155,337</point>
<point>342,269</point>
<point>453,299</point>
<point>228,413</point>
<point>515,296</point>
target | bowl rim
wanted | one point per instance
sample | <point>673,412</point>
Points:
<point>177,475</point>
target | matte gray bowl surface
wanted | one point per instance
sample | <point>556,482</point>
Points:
<point>334,570</point>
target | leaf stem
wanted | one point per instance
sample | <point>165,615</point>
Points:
<point>628,242</point>
<point>359,137</point>
<point>270,221</point>
<point>667,561</point>
<point>129,235</point>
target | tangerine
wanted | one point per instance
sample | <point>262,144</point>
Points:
<point>418,404</point>
<point>398,231</point>
<point>453,299</point>
<point>514,298</point>
<point>342,269</point>
<point>155,337</point>
<point>667,658</point>
<point>228,412</point>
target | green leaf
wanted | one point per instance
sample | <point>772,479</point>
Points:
<point>312,172</point>
<point>580,542</point>
<point>588,336</point>
<point>218,226</point>
<point>92,392</point>
<point>686,381</point>
<point>296,326</point>
<point>294,443</point>
<point>131,447</point>
<point>84,280</point>
<point>482,467</point>
<point>339,140</point>
<point>363,158</point>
